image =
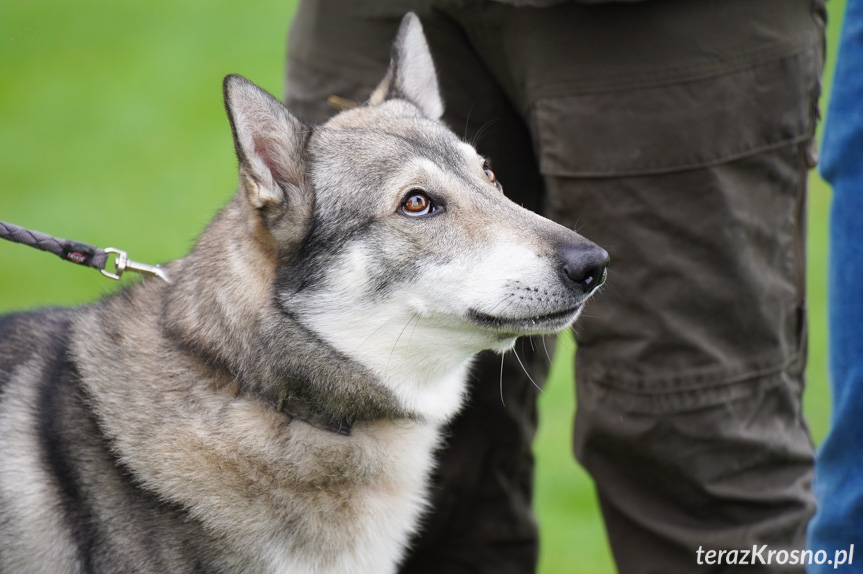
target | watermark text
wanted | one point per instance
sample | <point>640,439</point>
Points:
<point>765,555</point>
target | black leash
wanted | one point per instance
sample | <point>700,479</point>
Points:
<point>79,253</point>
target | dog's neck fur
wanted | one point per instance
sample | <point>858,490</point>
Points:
<point>262,493</point>
<point>271,355</point>
<point>237,461</point>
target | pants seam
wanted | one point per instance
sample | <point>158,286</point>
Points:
<point>673,77</point>
<point>671,385</point>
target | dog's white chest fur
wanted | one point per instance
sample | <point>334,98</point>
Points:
<point>345,527</point>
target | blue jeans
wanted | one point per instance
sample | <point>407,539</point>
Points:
<point>838,522</point>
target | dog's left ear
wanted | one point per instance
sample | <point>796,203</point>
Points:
<point>269,142</point>
<point>411,75</point>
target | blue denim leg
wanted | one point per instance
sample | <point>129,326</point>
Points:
<point>838,522</point>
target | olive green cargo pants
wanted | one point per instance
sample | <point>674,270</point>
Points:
<point>675,134</point>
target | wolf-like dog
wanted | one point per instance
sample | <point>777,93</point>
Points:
<point>277,405</point>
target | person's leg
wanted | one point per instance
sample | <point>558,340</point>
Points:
<point>481,519</point>
<point>675,134</point>
<point>838,523</point>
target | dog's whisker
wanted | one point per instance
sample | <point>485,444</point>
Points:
<point>508,305</point>
<point>611,286</point>
<point>479,132</point>
<point>502,356</point>
<point>378,329</point>
<point>577,225</point>
<point>419,318</point>
<point>544,346</point>
<point>525,371</point>
<point>467,119</point>
<point>508,299</point>
<point>393,350</point>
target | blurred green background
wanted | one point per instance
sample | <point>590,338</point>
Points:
<point>112,132</point>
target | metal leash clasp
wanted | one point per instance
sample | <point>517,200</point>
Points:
<point>123,263</point>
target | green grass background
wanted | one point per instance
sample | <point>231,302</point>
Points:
<point>112,132</point>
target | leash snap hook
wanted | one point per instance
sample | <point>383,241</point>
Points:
<point>123,263</point>
<point>120,263</point>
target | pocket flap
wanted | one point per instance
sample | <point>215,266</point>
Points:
<point>684,125</point>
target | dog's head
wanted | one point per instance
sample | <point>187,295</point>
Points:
<point>395,242</point>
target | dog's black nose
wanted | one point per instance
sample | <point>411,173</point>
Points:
<point>584,264</point>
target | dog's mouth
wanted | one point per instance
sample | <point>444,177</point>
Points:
<point>533,325</point>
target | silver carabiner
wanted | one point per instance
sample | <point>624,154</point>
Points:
<point>123,263</point>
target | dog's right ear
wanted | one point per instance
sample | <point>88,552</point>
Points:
<point>269,143</point>
<point>411,74</point>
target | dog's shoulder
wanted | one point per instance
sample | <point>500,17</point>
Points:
<point>25,335</point>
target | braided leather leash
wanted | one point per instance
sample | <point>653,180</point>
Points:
<point>79,253</point>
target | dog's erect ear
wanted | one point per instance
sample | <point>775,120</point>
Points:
<point>411,75</point>
<point>269,143</point>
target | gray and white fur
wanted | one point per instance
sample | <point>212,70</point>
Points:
<point>277,406</point>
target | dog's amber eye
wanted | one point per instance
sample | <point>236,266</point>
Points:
<point>416,203</point>
<point>491,177</point>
